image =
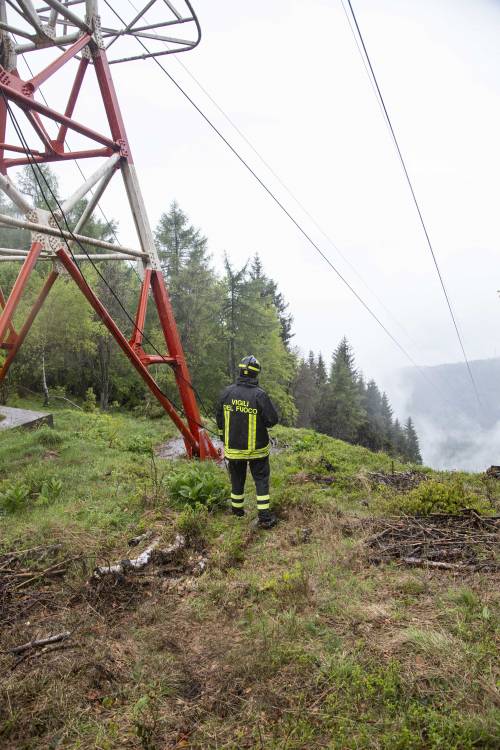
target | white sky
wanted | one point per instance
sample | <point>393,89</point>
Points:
<point>289,74</point>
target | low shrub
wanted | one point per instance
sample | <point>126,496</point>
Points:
<point>193,523</point>
<point>90,400</point>
<point>14,497</point>
<point>140,444</point>
<point>198,483</point>
<point>48,437</point>
<point>443,497</point>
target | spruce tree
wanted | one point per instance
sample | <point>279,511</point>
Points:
<point>412,445</point>
<point>268,289</point>
<point>398,440</point>
<point>340,412</point>
<point>387,422</point>
<point>321,376</point>
<point>305,394</point>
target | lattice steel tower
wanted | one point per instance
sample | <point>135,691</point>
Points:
<point>73,34</point>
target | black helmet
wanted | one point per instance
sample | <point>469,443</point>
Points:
<point>250,367</point>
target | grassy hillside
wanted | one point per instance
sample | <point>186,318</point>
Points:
<point>290,639</point>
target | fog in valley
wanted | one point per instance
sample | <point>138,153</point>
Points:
<point>455,431</point>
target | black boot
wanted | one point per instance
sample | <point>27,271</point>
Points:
<point>267,519</point>
<point>240,512</point>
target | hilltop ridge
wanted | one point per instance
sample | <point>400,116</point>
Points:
<point>289,638</point>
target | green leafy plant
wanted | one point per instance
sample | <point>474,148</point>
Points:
<point>193,524</point>
<point>50,492</point>
<point>198,483</point>
<point>48,437</point>
<point>90,400</point>
<point>14,497</point>
<point>140,444</point>
<point>434,496</point>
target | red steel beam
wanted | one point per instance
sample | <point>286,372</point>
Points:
<point>157,359</point>
<point>27,103</point>
<point>49,282</point>
<point>189,437</point>
<point>174,346</point>
<point>13,334</point>
<point>69,156</point>
<point>54,66</point>
<point>17,290</point>
<point>140,316</point>
<point>70,107</point>
<point>110,101</point>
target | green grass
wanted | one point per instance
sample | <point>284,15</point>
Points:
<point>290,639</point>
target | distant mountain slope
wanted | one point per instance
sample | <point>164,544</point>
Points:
<point>454,430</point>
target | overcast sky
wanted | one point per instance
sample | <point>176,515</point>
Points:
<point>290,76</point>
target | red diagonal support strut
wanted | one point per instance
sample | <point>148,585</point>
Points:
<point>17,290</point>
<point>122,342</point>
<point>19,339</point>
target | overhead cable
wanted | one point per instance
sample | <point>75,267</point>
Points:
<point>282,207</point>
<point>415,201</point>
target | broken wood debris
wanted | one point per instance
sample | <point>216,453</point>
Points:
<point>136,540</point>
<point>41,642</point>
<point>303,476</point>
<point>442,541</point>
<point>400,480</point>
<point>150,554</point>
<point>493,472</point>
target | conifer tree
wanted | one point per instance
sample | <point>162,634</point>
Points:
<point>412,445</point>
<point>321,376</point>
<point>398,440</point>
<point>268,290</point>
<point>339,412</point>
<point>305,394</point>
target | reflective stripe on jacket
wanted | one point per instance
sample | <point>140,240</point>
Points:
<point>244,413</point>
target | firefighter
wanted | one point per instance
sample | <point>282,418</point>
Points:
<point>244,414</point>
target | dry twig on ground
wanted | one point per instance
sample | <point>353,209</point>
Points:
<point>447,541</point>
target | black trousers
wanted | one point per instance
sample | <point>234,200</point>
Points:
<point>260,470</point>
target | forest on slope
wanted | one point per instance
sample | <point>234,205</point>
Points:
<point>221,317</point>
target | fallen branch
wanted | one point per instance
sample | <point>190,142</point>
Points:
<point>30,655</point>
<point>41,642</point>
<point>422,563</point>
<point>140,538</point>
<point>150,554</point>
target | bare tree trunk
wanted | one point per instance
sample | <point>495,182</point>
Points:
<point>104,349</point>
<point>44,381</point>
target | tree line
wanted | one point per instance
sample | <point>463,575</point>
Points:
<point>221,317</point>
<point>338,402</point>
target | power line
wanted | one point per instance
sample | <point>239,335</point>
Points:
<point>413,194</point>
<point>285,187</point>
<point>279,204</point>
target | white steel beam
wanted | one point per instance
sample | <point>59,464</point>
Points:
<point>52,232</point>
<point>15,196</point>
<point>67,13</point>
<point>107,168</point>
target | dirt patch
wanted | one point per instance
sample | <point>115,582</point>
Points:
<point>303,476</point>
<point>399,480</point>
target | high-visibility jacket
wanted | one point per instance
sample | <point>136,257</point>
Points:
<point>244,414</point>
